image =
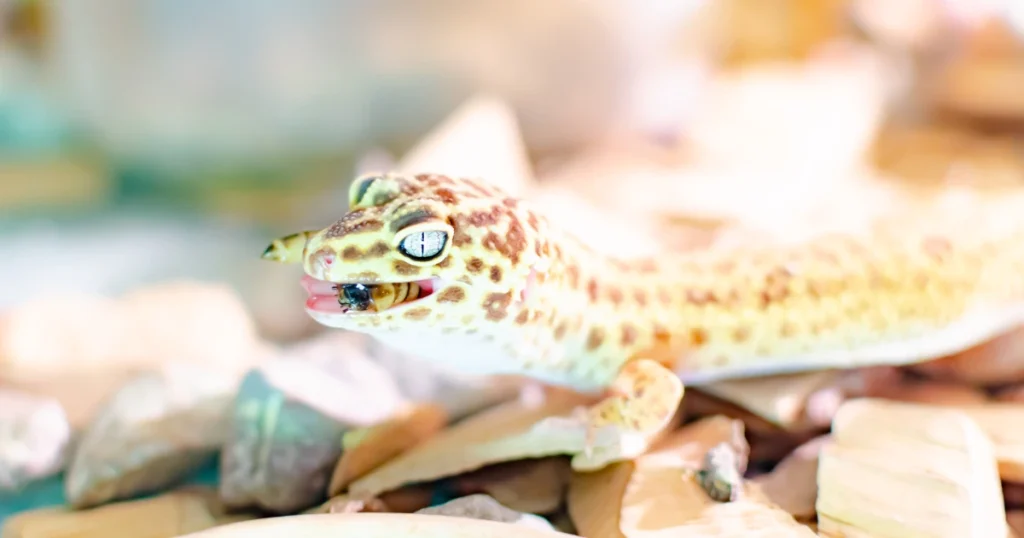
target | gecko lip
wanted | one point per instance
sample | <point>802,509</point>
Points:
<point>364,298</point>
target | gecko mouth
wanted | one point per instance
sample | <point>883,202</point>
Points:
<point>364,298</point>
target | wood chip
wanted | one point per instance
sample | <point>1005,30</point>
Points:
<point>793,483</point>
<point>535,486</point>
<point>782,399</point>
<point>375,526</point>
<point>995,361</point>
<point>367,448</point>
<point>898,469</point>
<point>512,431</point>
<point>658,494</point>
<point>1001,423</point>
<point>165,516</point>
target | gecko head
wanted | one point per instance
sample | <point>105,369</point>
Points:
<point>419,249</point>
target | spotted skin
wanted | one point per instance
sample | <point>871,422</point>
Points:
<point>521,296</point>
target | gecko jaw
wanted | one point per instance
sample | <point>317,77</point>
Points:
<point>329,298</point>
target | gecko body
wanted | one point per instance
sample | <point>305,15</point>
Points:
<point>507,292</point>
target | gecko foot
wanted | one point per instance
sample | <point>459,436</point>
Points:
<point>641,402</point>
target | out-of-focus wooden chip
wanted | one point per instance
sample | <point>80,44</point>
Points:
<point>781,399</point>
<point>80,349</point>
<point>367,448</point>
<point>487,125</point>
<point>658,494</point>
<point>793,484</point>
<point>897,469</point>
<point>1015,519</point>
<point>534,486</point>
<point>365,525</point>
<point>168,515</point>
<point>513,431</point>
<point>933,392</point>
<point>996,361</point>
<point>1001,423</point>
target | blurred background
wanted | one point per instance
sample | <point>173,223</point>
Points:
<point>147,139</point>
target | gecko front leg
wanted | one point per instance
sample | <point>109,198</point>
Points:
<point>643,399</point>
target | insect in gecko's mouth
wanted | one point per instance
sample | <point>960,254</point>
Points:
<point>360,297</point>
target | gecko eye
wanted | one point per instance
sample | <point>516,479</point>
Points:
<point>424,245</point>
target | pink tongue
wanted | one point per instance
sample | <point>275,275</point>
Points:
<point>318,287</point>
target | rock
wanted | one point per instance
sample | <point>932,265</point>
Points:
<point>289,418</point>
<point>484,507</point>
<point>34,436</point>
<point>151,434</point>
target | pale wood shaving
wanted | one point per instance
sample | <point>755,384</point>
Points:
<point>507,432</point>
<point>781,399</point>
<point>367,448</point>
<point>365,525</point>
<point>165,516</point>
<point>1001,423</point>
<point>899,470</point>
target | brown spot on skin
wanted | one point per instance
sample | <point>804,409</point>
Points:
<point>379,249</point>
<point>698,336</point>
<point>788,329</point>
<point>699,297</point>
<point>366,276</point>
<point>418,313</point>
<point>475,265</point>
<point>592,289</point>
<point>522,317</point>
<point>515,241</point>
<point>496,305</point>
<point>628,334</point>
<point>445,262</point>
<point>532,222</point>
<point>640,297</point>
<point>484,219</point>
<point>351,253</point>
<point>664,296</point>
<point>510,203</point>
<point>741,334</point>
<point>615,295</point>
<point>495,274</point>
<point>572,274</point>
<point>451,294</point>
<point>446,195</point>
<point>560,330</point>
<point>647,266</point>
<point>405,269</point>
<point>595,338</point>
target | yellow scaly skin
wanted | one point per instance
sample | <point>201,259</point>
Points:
<point>516,295</point>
